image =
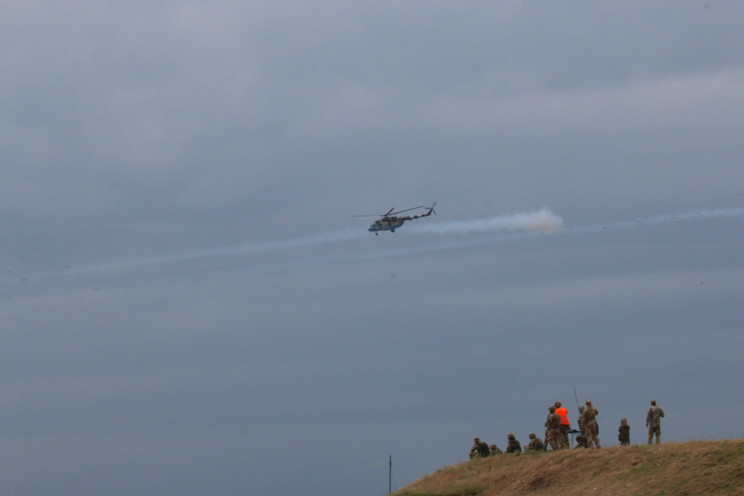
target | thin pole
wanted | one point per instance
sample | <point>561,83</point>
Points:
<point>390,474</point>
<point>576,397</point>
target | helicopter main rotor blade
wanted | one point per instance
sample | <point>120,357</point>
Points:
<point>401,211</point>
<point>390,212</point>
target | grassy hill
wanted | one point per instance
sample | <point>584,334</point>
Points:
<point>672,469</point>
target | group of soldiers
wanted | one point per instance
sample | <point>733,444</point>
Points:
<point>558,428</point>
<point>480,449</point>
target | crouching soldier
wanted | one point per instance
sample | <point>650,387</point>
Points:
<point>582,441</point>
<point>479,449</point>
<point>513,446</point>
<point>535,443</point>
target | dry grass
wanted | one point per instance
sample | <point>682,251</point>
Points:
<point>673,469</point>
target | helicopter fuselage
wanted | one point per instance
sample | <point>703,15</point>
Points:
<point>391,222</point>
<point>386,224</point>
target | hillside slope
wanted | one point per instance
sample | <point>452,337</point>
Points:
<point>693,468</point>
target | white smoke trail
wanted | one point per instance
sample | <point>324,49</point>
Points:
<point>656,220</point>
<point>543,220</point>
<point>490,231</point>
<point>536,224</point>
<point>499,228</point>
<point>224,251</point>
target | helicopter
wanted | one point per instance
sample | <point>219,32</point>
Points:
<point>391,221</point>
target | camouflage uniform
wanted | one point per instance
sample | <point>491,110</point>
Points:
<point>553,423</point>
<point>513,446</point>
<point>581,441</point>
<point>479,449</point>
<point>535,443</point>
<point>589,425</point>
<point>623,433</point>
<point>581,438</point>
<point>653,422</point>
<point>494,450</point>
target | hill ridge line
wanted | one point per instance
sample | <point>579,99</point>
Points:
<point>684,468</point>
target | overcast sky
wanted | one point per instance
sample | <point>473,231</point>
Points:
<point>189,306</point>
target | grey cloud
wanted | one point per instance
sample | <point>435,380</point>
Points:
<point>150,347</point>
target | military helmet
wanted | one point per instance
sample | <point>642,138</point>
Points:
<point>510,436</point>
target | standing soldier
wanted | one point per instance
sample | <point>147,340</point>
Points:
<point>623,432</point>
<point>565,425</point>
<point>653,422</point>
<point>581,438</point>
<point>553,429</point>
<point>589,425</point>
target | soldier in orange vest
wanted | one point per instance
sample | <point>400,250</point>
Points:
<point>565,424</point>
